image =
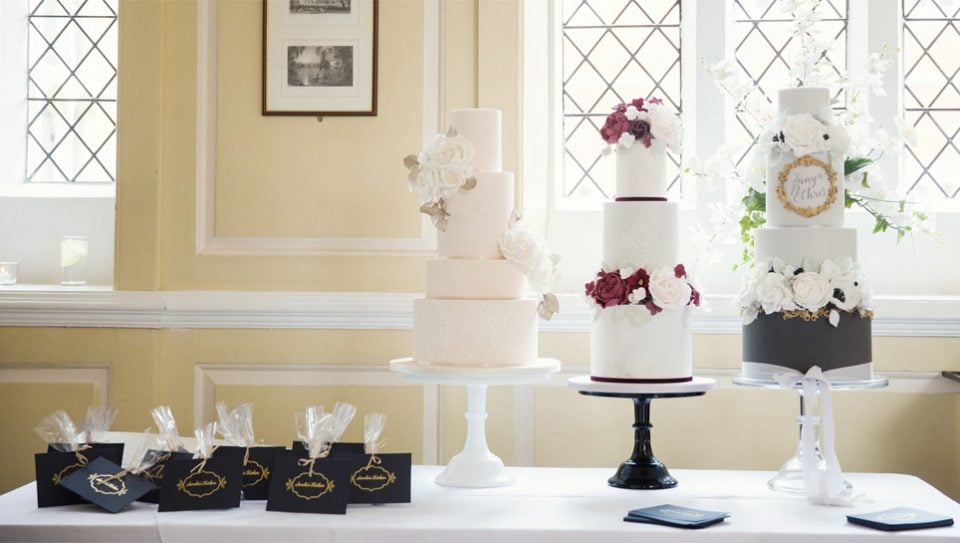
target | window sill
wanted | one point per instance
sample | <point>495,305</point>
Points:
<point>58,190</point>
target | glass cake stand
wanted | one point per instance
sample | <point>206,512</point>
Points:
<point>476,466</point>
<point>642,471</point>
<point>790,476</point>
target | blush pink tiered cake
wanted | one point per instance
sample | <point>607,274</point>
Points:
<point>643,298</point>
<point>475,312</point>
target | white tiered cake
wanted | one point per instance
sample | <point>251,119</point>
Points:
<point>641,332</point>
<point>806,303</point>
<point>474,312</point>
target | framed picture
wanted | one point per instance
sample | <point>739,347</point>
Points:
<point>320,57</point>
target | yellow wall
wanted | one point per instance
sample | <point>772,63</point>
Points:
<point>349,182</point>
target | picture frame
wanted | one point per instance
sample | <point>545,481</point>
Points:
<point>320,57</point>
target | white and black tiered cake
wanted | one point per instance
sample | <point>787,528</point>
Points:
<point>806,303</point>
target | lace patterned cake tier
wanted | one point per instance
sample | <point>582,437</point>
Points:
<point>475,332</point>
<point>640,234</point>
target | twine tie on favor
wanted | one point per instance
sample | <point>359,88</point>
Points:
<point>246,456</point>
<point>308,462</point>
<point>82,458</point>
<point>203,463</point>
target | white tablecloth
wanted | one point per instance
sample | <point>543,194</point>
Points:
<point>554,505</point>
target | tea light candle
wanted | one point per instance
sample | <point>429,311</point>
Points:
<point>8,273</point>
<point>73,260</point>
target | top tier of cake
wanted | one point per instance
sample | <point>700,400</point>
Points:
<point>478,217</point>
<point>809,190</point>
<point>642,171</point>
<point>482,128</point>
<point>812,100</point>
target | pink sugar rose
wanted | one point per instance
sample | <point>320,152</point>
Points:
<point>657,101</point>
<point>617,123</point>
<point>608,289</point>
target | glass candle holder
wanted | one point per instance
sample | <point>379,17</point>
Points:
<point>73,260</point>
<point>8,273</point>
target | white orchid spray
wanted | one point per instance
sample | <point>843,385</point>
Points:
<point>854,132</point>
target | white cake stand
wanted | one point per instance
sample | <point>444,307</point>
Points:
<point>476,466</point>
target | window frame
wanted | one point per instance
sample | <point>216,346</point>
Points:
<point>870,27</point>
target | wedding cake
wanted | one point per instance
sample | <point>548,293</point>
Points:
<point>642,295</point>
<point>805,303</point>
<point>475,312</point>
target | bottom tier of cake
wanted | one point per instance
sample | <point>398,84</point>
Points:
<point>475,332</point>
<point>775,345</point>
<point>629,345</point>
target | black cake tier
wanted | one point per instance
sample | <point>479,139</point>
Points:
<point>799,344</point>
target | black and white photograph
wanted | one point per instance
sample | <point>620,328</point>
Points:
<point>319,7</point>
<point>320,66</point>
<point>320,57</point>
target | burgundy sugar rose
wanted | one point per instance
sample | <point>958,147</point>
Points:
<point>608,289</point>
<point>617,123</point>
<point>680,271</point>
<point>657,101</point>
<point>641,131</point>
<point>694,297</point>
<point>638,103</point>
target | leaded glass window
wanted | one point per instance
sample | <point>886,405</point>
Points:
<point>72,91</point>
<point>764,47</point>
<point>613,51</point>
<point>931,97</point>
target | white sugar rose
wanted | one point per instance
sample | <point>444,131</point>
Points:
<point>667,290</point>
<point>811,291</point>
<point>446,150</point>
<point>453,176</point>
<point>626,140</point>
<point>773,293</point>
<point>846,292</point>
<point>665,126</point>
<point>804,134</point>
<point>429,185</point>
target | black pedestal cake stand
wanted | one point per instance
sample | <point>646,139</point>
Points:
<point>642,471</point>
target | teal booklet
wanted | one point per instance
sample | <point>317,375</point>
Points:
<point>900,518</point>
<point>676,516</point>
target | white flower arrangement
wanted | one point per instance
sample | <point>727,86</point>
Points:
<point>533,257</point>
<point>440,170</point>
<point>777,287</point>
<point>646,121</point>
<point>804,134</point>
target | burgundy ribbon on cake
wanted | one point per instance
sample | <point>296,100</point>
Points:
<point>640,199</point>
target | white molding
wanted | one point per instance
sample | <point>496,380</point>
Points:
<point>97,375</point>
<point>207,241</point>
<point>99,307</point>
<point>208,376</point>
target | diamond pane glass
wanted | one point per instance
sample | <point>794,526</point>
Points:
<point>71,91</point>
<point>931,96</point>
<point>613,51</point>
<point>764,45</point>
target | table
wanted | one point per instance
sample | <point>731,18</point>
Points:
<point>546,504</point>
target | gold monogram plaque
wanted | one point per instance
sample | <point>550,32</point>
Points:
<point>253,473</point>
<point>372,478</point>
<point>107,484</point>
<point>201,484</point>
<point>309,485</point>
<point>807,186</point>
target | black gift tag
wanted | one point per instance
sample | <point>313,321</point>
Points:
<point>676,516</point>
<point>98,482</point>
<point>52,467</point>
<point>155,473</point>
<point>901,518</point>
<point>384,478</point>
<point>95,446</point>
<point>256,471</point>
<point>337,448</point>
<point>320,488</point>
<point>194,484</point>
